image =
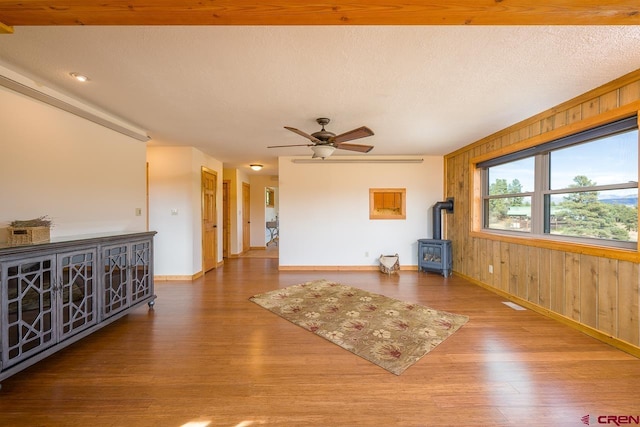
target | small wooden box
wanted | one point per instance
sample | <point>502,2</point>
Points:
<point>28,235</point>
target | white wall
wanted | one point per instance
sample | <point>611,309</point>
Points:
<point>175,208</point>
<point>170,188</point>
<point>324,211</point>
<point>85,177</point>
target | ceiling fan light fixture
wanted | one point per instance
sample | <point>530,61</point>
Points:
<point>256,167</point>
<point>323,151</point>
<point>324,143</point>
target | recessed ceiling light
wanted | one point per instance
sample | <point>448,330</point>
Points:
<point>255,167</point>
<point>79,77</point>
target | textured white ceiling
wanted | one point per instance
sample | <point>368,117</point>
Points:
<point>424,90</point>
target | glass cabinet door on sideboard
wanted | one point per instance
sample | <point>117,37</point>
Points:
<point>140,271</point>
<point>45,300</point>
<point>126,275</point>
<point>77,290</point>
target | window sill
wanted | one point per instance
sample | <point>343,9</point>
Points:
<point>621,254</point>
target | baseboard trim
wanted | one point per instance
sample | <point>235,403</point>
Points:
<point>170,278</point>
<point>340,268</point>
<point>585,329</point>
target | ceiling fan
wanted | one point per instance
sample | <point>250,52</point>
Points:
<point>324,142</point>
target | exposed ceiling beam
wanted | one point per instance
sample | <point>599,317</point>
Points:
<point>296,12</point>
<point>5,29</point>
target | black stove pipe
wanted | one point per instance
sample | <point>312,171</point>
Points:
<point>437,216</point>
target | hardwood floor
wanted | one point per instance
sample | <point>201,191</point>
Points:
<point>271,251</point>
<point>206,356</point>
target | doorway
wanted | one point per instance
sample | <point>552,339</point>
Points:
<point>272,232</point>
<point>209,220</point>
<point>246,217</point>
<point>226,218</point>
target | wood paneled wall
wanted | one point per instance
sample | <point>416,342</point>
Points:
<point>596,290</point>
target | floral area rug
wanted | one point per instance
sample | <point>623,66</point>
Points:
<point>391,333</point>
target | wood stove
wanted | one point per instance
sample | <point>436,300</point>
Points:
<point>435,254</point>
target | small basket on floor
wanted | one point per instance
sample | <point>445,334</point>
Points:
<point>389,264</point>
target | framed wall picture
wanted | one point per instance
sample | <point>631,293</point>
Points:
<point>269,196</point>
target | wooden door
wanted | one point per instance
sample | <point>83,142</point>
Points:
<point>246,217</point>
<point>226,218</point>
<point>209,220</point>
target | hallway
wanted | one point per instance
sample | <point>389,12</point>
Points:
<point>270,251</point>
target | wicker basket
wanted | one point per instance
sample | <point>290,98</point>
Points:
<point>389,263</point>
<point>28,235</point>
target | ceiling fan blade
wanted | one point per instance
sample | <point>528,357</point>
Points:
<point>291,145</point>
<point>301,133</point>
<point>355,147</point>
<point>361,132</point>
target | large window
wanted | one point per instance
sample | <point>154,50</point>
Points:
<point>580,188</point>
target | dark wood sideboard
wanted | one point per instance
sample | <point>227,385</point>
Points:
<point>55,293</point>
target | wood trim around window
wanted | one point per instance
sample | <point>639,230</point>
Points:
<point>475,196</point>
<point>387,203</point>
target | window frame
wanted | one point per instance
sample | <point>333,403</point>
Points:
<point>377,208</point>
<point>538,147</point>
<point>487,197</point>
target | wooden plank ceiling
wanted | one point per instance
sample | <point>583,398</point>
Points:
<point>297,12</point>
